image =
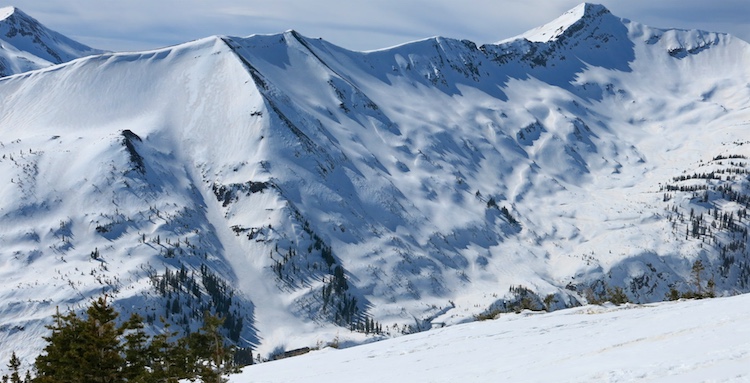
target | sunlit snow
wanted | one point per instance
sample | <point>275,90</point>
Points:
<point>251,156</point>
<point>691,341</point>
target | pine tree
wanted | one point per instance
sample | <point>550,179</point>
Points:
<point>59,362</point>
<point>95,350</point>
<point>14,365</point>
<point>697,269</point>
<point>207,346</point>
<point>166,360</point>
<point>711,288</point>
<point>135,350</point>
<point>101,359</point>
<point>82,351</point>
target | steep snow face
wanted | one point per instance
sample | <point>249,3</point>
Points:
<point>434,138</point>
<point>25,44</point>
<point>572,20</point>
<point>418,185</point>
<point>104,192</point>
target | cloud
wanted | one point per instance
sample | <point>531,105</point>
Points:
<point>353,24</point>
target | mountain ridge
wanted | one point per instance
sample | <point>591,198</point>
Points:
<point>301,188</point>
<point>28,45</point>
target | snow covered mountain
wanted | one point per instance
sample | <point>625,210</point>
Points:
<point>25,44</point>
<point>303,190</point>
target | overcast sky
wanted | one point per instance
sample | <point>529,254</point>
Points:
<point>353,24</point>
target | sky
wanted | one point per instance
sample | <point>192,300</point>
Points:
<point>353,24</point>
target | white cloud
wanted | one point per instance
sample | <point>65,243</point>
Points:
<point>353,24</point>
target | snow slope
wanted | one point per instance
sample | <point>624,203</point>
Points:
<point>25,44</point>
<point>692,341</point>
<point>302,190</point>
<point>572,19</point>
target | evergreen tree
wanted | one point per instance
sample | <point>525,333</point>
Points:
<point>95,350</point>
<point>697,270</point>
<point>135,350</point>
<point>101,359</point>
<point>711,288</point>
<point>14,365</point>
<point>83,351</point>
<point>617,296</point>
<point>166,362</point>
<point>207,346</point>
<point>59,362</point>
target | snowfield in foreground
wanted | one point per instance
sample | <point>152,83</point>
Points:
<point>707,340</point>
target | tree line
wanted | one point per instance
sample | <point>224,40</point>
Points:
<point>92,348</point>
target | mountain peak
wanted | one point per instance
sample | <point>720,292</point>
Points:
<point>6,12</point>
<point>573,19</point>
<point>26,34</point>
<point>9,12</point>
<point>590,9</point>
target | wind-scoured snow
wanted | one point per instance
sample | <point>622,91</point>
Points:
<point>417,186</point>
<point>668,342</point>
